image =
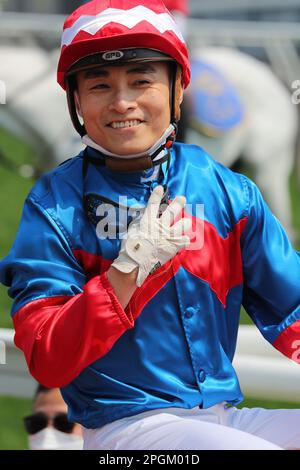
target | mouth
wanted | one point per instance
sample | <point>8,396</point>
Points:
<point>125,124</point>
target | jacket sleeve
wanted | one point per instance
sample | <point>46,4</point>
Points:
<point>62,322</point>
<point>271,268</point>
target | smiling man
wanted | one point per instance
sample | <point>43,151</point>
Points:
<point>139,329</point>
<point>124,106</point>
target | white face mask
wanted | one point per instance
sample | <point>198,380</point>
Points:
<point>51,439</point>
<point>86,140</point>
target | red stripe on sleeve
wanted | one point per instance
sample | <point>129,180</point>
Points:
<point>61,336</point>
<point>288,342</point>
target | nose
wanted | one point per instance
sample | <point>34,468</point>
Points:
<point>122,101</point>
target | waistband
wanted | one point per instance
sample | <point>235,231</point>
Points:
<point>197,410</point>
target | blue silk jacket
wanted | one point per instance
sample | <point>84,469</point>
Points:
<point>174,343</point>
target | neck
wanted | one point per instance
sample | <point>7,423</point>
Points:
<point>156,155</point>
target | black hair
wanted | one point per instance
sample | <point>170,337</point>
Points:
<point>41,389</point>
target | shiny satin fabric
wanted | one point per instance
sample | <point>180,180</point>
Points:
<point>173,345</point>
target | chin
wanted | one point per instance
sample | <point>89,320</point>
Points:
<point>131,150</point>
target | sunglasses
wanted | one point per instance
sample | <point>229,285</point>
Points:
<point>39,421</point>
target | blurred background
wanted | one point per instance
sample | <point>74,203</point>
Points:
<point>242,107</point>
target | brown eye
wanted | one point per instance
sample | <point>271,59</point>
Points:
<point>100,86</point>
<point>142,82</point>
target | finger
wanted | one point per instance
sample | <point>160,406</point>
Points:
<point>180,242</point>
<point>185,241</point>
<point>173,210</point>
<point>152,207</point>
<point>181,227</point>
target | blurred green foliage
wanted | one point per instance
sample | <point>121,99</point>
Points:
<point>13,191</point>
<point>12,433</point>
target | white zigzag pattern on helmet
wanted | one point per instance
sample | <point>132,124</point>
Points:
<point>129,18</point>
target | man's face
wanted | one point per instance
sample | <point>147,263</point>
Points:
<point>51,402</point>
<point>125,109</point>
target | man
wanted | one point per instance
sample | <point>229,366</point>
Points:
<point>48,427</point>
<point>118,300</point>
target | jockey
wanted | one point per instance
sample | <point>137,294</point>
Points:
<point>133,258</point>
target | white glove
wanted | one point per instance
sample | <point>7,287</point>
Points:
<point>151,241</point>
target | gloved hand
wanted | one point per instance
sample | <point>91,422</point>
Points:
<point>151,241</point>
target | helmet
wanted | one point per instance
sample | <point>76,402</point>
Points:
<point>106,32</point>
<point>105,25</point>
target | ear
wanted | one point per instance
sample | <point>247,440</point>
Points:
<point>181,96</point>
<point>178,96</point>
<point>77,103</point>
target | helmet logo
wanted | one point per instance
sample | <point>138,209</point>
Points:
<point>112,55</point>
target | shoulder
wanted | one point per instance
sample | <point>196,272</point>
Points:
<point>57,197</point>
<point>194,160</point>
<point>61,182</point>
<point>223,192</point>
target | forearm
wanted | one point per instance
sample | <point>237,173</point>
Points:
<point>123,284</point>
<point>60,337</point>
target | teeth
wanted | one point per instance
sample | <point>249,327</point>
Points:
<point>118,125</point>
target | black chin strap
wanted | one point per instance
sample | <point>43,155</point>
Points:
<point>70,89</point>
<point>102,160</point>
<point>144,162</point>
<point>157,155</point>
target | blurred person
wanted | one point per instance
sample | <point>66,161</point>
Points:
<point>112,255</point>
<point>237,107</point>
<point>48,428</point>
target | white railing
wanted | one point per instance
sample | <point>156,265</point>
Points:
<point>263,372</point>
<point>15,379</point>
<point>279,40</point>
<point>240,6</point>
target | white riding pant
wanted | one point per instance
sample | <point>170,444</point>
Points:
<point>217,428</point>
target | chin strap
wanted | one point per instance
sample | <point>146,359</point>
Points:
<point>156,155</point>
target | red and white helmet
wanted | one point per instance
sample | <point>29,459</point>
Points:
<point>100,26</point>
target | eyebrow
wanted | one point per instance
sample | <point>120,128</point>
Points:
<point>100,72</point>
